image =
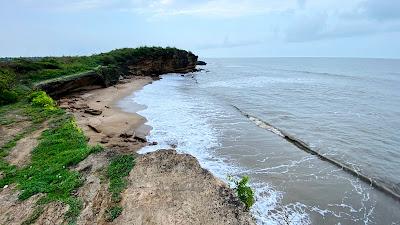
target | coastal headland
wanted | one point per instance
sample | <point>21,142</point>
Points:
<point>73,160</point>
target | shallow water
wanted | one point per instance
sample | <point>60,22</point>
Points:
<point>346,109</point>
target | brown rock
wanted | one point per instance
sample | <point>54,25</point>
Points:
<point>95,129</point>
<point>94,112</point>
<point>141,138</point>
<point>126,135</point>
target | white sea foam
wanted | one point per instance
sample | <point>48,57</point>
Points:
<point>181,120</point>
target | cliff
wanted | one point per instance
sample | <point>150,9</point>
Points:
<point>120,64</point>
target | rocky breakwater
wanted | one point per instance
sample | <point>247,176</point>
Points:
<point>120,64</point>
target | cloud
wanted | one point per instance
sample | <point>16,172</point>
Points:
<point>343,19</point>
<point>381,9</point>
<point>227,43</point>
<point>214,8</point>
<point>291,20</point>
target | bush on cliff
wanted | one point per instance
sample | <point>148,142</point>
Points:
<point>131,55</point>
<point>244,191</point>
<point>109,74</point>
<point>41,99</point>
<point>7,85</point>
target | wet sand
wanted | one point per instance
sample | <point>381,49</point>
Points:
<point>113,127</point>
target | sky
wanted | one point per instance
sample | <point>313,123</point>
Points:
<point>209,28</point>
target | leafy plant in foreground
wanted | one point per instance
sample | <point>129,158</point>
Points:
<point>41,99</point>
<point>244,191</point>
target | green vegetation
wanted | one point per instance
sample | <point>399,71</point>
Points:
<point>131,55</point>
<point>113,212</point>
<point>119,168</point>
<point>18,75</point>
<point>41,99</point>
<point>7,84</point>
<point>37,69</point>
<point>244,191</point>
<point>61,146</point>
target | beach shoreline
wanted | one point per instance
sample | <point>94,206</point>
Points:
<point>112,127</point>
<point>165,177</point>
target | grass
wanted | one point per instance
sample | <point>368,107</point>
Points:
<point>113,212</point>
<point>61,146</point>
<point>118,169</point>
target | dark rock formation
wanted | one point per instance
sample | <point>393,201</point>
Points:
<point>201,63</point>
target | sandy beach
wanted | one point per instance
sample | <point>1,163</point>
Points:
<point>98,115</point>
<point>164,187</point>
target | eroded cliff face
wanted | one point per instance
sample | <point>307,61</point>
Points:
<point>180,62</point>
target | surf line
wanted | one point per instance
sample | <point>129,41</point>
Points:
<point>305,147</point>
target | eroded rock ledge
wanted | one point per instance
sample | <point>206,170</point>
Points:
<point>170,188</point>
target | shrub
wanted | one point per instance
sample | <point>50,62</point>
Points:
<point>41,99</point>
<point>7,85</point>
<point>244,191</point>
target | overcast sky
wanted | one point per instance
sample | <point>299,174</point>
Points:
<point>209,28</point>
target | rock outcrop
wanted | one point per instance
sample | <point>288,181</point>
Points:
<point>201,63</point>
<point>170,188</point>
<point>180,61</point>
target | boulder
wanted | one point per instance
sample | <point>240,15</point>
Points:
<point>94,112</point>
<point>201,63</point>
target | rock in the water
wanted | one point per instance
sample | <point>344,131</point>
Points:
<point>201,63</point>
<point>153,143</point>
<point>94,112</point>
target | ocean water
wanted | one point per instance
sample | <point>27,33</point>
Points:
<point>345,109</point>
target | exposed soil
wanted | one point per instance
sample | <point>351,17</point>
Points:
<point>13,211</point>
<point>8,132</point>
<point>20,155</point>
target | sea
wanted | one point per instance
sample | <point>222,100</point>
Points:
<point>234,114</point>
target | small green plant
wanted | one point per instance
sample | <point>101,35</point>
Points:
<point>113,212</point>
<point>244,191</point>
<point>96,148</point>
<point>118,169</point>
<point>41,99</point>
